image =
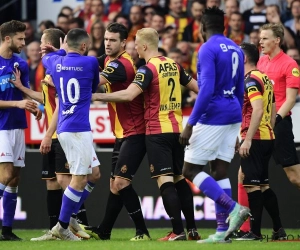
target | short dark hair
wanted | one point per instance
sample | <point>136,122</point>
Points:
<point>213,20</point>
<point>75,37</point>
<point>62,15</point>
<point>175,50</point>
<point>202,2</point>
<point>11,28</point>
<point>53,36</point>
<point>118,28</point>
<point>162,51</point>
<point>79,22</point>
<point>47,23</point>
<point>251,51</point>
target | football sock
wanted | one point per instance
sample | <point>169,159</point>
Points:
<point>54,198</point>
<point>187,202</point>
<point>243,200</point>
<point>271,205</point>
<point>9,205</point>
<point>70,201</point>
<point>212,190</point>
<point>86,192</point>
<point>172,206</point>
<point>81,215</point>
<point>221,212</point>
<point>256,207</point>
<point>132,203</point>
<point>114,206</point>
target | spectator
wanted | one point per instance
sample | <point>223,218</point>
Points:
<point>93,52</point>
<point>97,9</point>
<point>249,4</point>
<point>211,3</point>
<point>235,30</point>
<point>254,37</point>
<point>149,12</point>
<point>122,19</point>
<point>294,53</point>
<point>46,24</point>
<point>294,24</point>
<point>36,68</point>
<point>273,16</point>
<point>177,17</point>
<point>97,37</point>
<point>63,22</point>
<point>255,17</point>
<point>76,22</point>
<point>68,11</point>
<point>191,32</point>
<point>136,19</point>
<point>230,7</point>
<point>158,22</point>
<point>186,55</point>
<point>84,12</point>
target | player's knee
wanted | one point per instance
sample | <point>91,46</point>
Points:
<point>121,183</point>
<point>14,182</point>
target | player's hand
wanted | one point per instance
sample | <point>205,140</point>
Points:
<point>17,81</point>
<point>45,145</point>
<point>38,114</point>
<point>63,43</point>
<point>47,49</point>
<point>29,105</point>
<point>48,81</point>
<point>186,135</point>
<point>245,148</point>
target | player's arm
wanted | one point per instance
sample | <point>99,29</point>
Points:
<point>45,146</point>
<point>114,72</point>
<point>38,96</point>
<point>29,105</point>
<point>291,95</point>
<point>125,95</point>
<point>187,81</point>
<point>254,91</point>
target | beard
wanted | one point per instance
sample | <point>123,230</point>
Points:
<point>15,49</point>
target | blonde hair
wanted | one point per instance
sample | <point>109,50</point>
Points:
<point>148,36</point>
<point>277,29</point>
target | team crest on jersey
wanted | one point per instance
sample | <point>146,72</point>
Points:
<point>151,168</point>
<point>249,84</point>
<point>295,72</point>
<point>124,169</point>
<point>113,64</point>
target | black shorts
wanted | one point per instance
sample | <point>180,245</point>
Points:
<point>285,152</point>
<point>255,166</point>
<point>54,162</point>
<point>165,154</point>
<point>127,156</point>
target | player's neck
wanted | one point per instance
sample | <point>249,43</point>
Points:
<point>249,68</point>
<point>210,34</point>
<point>274,53</point>
<point>151,54</point>
<point>5,52</point>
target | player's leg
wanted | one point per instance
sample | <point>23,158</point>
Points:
<point>132,152</point>
<point>184,191</point>
<point>243,200</point>
<point>13,146</point>
<point>285,152</point>
<point>79,161</point>
<point>159,150</point>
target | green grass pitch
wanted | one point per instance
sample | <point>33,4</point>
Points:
<point>120,241</point>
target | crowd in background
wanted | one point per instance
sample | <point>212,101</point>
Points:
<point>177,23</point>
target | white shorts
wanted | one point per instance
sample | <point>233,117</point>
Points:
<point>209,142</point>
<point>79,151</point>
<point>12,147</point>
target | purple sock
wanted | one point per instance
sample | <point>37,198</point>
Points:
<point>9,205</point>
<point>70,200</point>
<point>212,190</point>
<point>86,192</point>
<point>221,212</point>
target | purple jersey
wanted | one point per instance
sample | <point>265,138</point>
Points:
<point>75,78</point>
<point>221,83</point>
<point>12,118</point>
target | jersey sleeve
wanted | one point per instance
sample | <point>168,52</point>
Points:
<point>114,72</point>
<point>185,78</point>
<point>292,75</point>
<point>96,78</point>
<point>143,77</point>
<point>253,89</point>
<point>206,83</point>
<point>101,61</point>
